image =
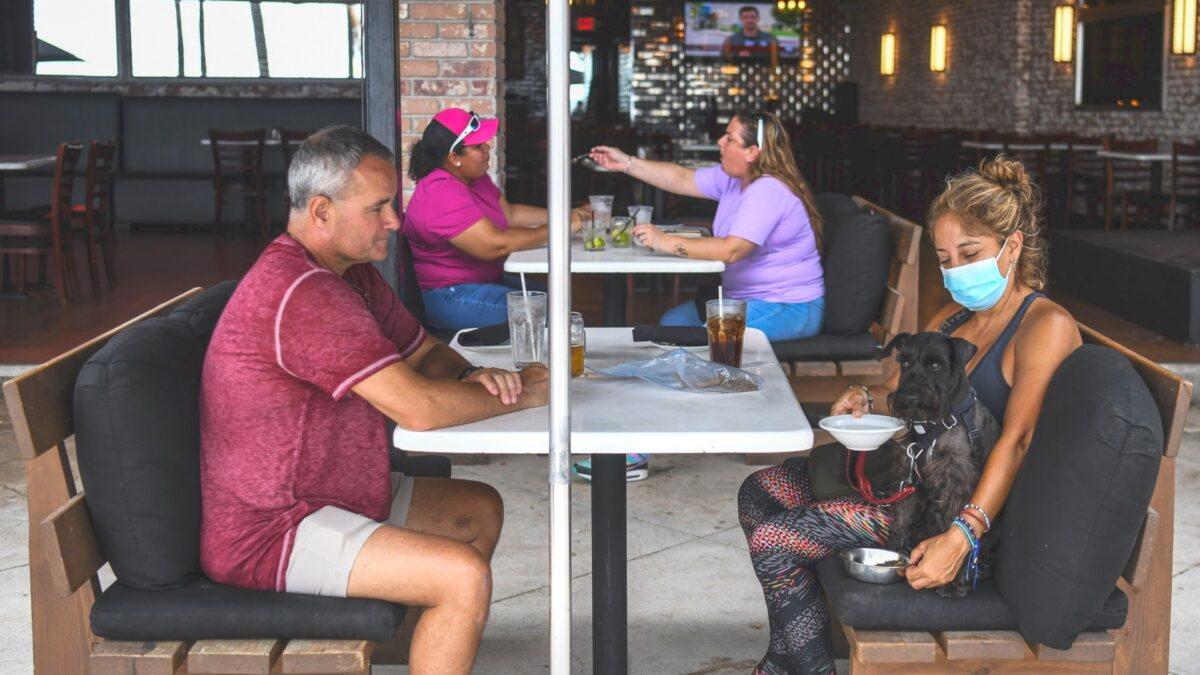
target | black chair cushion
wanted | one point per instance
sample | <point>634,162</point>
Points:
<point>1080,497</point>
<point>204,609</point>
<point>857,258</point>
<point>202,311</point>
<point>828,348</point>
<point>898,607</point>
<point>137,434</point>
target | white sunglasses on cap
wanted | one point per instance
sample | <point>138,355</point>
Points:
<point>473,125</point>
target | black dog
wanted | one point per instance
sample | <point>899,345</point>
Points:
<point>949,436</point>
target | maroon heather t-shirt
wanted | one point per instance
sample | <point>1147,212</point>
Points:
<point>281,432</point>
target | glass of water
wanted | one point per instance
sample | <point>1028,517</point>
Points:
<point>641,213</point>
<point>527,327</point>
<point>601,210</point>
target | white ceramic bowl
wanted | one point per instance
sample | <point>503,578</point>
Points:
<point>862,433</point>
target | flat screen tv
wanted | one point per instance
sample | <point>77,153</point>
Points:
<point>1122,64</point>
<point>738,32</point>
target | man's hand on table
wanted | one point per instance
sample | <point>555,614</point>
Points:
<point>532,384</point>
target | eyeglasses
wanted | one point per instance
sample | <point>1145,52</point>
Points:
<point>473,125</point>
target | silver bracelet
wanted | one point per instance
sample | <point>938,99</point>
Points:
<point>628,163</point>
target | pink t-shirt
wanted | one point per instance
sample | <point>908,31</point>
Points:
<point>441,208</point>
<point>785,265</point>
<point>281,432</point>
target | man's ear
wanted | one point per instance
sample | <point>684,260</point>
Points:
<point>320,211</point>
<point>899,342</point>
<point>963,350</point>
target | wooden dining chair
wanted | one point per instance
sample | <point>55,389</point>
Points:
<point>289,142</point>
<point>93,219</point>
<point>1185,182</point>
<point>238,164</point>
<point>1085,178</point>
<point>40,237</point>
<point>1130,182</point>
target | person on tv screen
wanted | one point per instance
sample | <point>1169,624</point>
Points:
<point>751,45</point>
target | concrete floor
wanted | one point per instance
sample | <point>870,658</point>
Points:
<point>694,604</point>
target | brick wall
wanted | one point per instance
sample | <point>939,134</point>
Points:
<point>999,76</point>
<point>450,56</point>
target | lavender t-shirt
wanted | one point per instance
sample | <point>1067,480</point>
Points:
<point>785,265</point>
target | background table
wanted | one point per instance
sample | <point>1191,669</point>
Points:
<point>19,163</point>
<point>1154,159</point>
<point>633,259</point>
<point>611,417</point>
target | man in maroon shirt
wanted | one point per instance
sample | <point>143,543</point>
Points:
<point>312,355</point>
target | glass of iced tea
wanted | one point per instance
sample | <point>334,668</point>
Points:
<point>578,344</point>
<point>726,321</point>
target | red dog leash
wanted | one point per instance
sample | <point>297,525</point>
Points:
<point>864,485</point>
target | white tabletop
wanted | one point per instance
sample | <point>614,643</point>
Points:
<point>996,145</point>
<point>25,162</point>
<point>700,147</point>
<point>1146,157</point>
<point>611,415</point>
<point>632,259</point>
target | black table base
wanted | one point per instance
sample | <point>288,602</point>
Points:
<point>610,631</point>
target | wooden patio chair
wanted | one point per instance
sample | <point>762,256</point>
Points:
<point>1130,183</point>
<point>65,547</point>
<point>93,219</point>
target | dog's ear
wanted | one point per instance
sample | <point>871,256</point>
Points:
<point>899,342</point>
<point>963,350</point>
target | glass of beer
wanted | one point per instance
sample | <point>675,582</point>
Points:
<point>726,321</point>
<point>578,344</point>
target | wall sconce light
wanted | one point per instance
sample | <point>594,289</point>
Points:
<point>887,54</point>
<point>937,49</point>
<point>1183,27</point>
<point>1064,33</point>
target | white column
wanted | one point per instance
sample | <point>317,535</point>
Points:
<point>558,169</point>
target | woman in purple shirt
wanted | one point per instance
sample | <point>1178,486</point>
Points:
<point>460,228</point>
<point>766,231</point>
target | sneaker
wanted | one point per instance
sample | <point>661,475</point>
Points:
<point>637,467</point>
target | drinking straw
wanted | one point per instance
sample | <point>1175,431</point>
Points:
<point>524,289</point>
<point>721,295</point>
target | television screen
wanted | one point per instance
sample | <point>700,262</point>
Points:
<point>738,32</point>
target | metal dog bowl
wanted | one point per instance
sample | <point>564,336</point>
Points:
<point>868,564</point>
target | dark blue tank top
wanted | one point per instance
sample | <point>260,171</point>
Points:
<point>988,377</point>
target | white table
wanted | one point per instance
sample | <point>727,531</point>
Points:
<point>25,162</point>
<point>996,145</point>
<point>611,417</point>
<point>699,147</point>
<point>1154,159</point>
<point>248,144</point>
<point>633,259</point>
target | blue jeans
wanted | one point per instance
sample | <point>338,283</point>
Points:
<point>779,320</point>
<point>471,305</point>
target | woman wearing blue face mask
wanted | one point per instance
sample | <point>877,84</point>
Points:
<point>986,227</point>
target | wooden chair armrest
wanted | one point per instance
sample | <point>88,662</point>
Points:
<point>71,549</point>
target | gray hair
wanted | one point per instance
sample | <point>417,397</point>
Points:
<point>325,162</point>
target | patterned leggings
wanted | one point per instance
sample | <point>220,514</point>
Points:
<point>788,532</point>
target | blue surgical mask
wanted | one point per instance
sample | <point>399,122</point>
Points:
<point>979,285</point>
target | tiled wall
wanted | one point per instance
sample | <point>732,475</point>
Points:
<point>1000,75</point>
<point>450,56</point>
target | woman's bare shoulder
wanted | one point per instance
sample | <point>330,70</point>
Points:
<point>1048,324</point>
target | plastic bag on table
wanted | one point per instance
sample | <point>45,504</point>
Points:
<point>680,369</point>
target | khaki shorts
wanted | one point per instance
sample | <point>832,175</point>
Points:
<point>328,542</point>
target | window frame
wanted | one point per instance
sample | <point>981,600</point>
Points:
<point>125,75</point>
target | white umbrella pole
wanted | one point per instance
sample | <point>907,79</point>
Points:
<point>559,172</point>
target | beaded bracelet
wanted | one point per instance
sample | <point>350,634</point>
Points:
<point>973,560</point>
<point>975,518</point>
<point>987,522</point>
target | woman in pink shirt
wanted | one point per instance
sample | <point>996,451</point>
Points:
<point>460,228</point>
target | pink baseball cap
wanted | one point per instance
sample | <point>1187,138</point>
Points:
<point>457,119</point>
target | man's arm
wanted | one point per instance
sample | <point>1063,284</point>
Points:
<point>419,403</point>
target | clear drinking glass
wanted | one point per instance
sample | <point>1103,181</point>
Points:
<point>619,232</point>
<point>593,234</point>
<point>726,321</point>
<point>601,210</point>
<point>527,327</point>
<point>578,344</point>
<point>641,213</point>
